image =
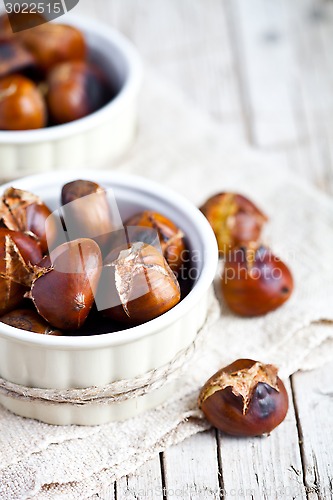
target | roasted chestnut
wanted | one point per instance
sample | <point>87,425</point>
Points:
<point>75,90</point>
<point>170,236</point>
<point>246,398</point>
<point>14,57</point>
<point>65,283</point>
<point>23,211</point>
<point>29,320</point>
<point>255,281</point>
<point>17,252</point>
<point>86,211</point>
<point>136,285</point>
<point>53,43</point>
<point>22,106</point>
<point>235,220</point>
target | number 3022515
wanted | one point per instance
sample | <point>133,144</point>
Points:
<point>33,8</point>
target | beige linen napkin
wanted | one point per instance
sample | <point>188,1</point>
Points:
<point>182,148</point>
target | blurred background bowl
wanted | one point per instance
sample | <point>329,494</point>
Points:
<point>89,141</point>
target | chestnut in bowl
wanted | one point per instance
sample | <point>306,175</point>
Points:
<point>22,106</point>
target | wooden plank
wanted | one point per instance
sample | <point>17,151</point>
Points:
<point>145,483</point>
<point>313,392</point>
<point>263,467</point>
<point>191,468</point>
<point>266,68</point>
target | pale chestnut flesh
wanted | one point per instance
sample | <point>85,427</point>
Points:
<point>246,398</point>
<point>170,236</point>
<point>235,220</point>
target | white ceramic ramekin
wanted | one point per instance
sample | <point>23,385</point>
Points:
<point>50,362</point>
<point>92,140</point>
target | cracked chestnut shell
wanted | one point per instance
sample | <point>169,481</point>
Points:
<point>255,281</point>
<point>86,211</point>
<point>140,283</point>
<point>235,220</point>
<point>246,398</point>
<point>29,320</point>
<point>23,211</point>
<point>65,283</point>
<point>75,90</point>
<point>53,43</point>
<point>170,236</point>
<point>17,253</point>
<point>22,106</point>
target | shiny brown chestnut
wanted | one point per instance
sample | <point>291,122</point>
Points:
<point>246,398</point>
<point>75,90</point>
<point>53,43</point>
<point>140,284</point>
<point>86,211</point>
<point>14,58</point>
<point>24,211</point>
<point>235,220</point>
<point>22,106</point>
<point>255,281</point>
<point>170,236</point>
<point>29,320</point>
<point>17,252</point>
<point>64,286</point>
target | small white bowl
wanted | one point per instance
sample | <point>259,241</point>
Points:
<point>92,140</point>
<point>43,361</point>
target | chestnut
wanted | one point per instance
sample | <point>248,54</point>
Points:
<point>53,43</point>
<point>75,90</point>
<point>246,398</point>
<point>17,252</point>
<point>65,283</point>
<point>29,320</point>
<point>22,106</point>
<point>234,219</point>
<point>136,285</point>
<point>86,211</point>
<point>14,57</point>
<point>170,236</point>
<point>255,281</point>
<point>23,211</point>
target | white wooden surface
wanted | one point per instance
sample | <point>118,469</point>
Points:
<point>264,70</point>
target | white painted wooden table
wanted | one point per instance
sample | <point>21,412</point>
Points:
<point>264,70</point>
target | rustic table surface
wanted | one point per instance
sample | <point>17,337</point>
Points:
<point>264,70</point>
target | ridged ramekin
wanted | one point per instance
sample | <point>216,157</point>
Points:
<point>43,361</point>
<point>95,139</point>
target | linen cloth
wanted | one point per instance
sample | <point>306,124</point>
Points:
<point>182,148</point>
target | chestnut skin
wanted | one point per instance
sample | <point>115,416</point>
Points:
<point>88,217</point>
<point>22,106</point>
<point>53,43</point>
<point>14,57</point>
<point>140,281</point>
<point>266,409</point>
<point>254,281</point>
<point>17,251</point>
<point>75,90</point>
<point>29,320</point>
<point>235,220</point>
<point>23,211</point>
<point>64,287</point>
<point>170,236</point>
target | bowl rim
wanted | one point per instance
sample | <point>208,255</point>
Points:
<point>127,91</point>
<point>155,189</point>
